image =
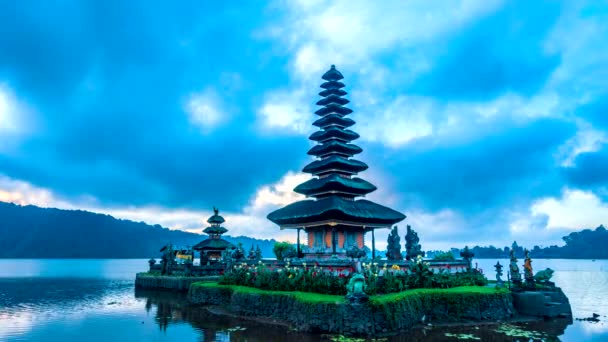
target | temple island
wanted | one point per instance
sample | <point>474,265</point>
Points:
<point>333,283</point>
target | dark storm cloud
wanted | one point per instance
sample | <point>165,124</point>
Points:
<point>109,80</point>
<point>500,53</point>
<point>504,166</point>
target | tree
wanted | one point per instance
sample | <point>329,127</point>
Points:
<point>412,244</point>
<point>283,250</point>
<point>239,252</point>
<point>393,249</point>
<point>258,252</point>
<point>251,255</point>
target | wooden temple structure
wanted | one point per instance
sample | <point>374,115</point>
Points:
<point>213,248</point>
<point>334,219</point>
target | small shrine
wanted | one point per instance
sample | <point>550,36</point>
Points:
<point>335,221</point>
<point>213,248</point>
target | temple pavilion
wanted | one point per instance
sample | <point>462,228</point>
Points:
<point>334,219</point>
<point>213,248</point>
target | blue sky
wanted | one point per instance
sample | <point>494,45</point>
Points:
<point>482,121</point>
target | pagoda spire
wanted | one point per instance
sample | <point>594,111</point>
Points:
<point>335,216</point>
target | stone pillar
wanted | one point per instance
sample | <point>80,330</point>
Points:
<point>298,249</point>
<point>333,240</point>
<point>373,246</point>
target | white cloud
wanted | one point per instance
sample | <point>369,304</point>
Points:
<point>286,110</point>
<point>15,118</point>
<point>587,139</point>
<point>23,193</point>
<point>575,210</point>
<point>349,32</point>
<point>205,109</point>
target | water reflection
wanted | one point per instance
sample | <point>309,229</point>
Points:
<point>101,304</point>
<point>174,309</point>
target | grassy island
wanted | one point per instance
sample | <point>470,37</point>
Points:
<point>386,313</point>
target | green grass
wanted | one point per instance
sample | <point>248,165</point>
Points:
<point>310,297</point>
<point>461,290</point>
<point>306,297</point>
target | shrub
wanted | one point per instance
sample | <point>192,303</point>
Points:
<point>380,280</point>
<point>283,250</point>
<point>445,256</point>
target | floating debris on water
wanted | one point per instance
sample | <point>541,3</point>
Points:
<point>594,318</point>
<point>463,336</point>
<point>237,328</point>
<point>515,331</point>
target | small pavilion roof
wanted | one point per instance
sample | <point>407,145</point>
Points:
<point>215,230</point>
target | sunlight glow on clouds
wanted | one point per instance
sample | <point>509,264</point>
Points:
<point>575,209</point>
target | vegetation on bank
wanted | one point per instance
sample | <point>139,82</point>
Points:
<point>584,244</point>
<point>455,291</point>
<point>379,280</point>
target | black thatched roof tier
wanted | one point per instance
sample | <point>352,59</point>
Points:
<point>335,120</point>
<point>215,230</point>
<point>213,244</point>
<point>332,74</point>
<point>332,85</point>
<point>335,183</point>
<point>334,133</point>
<point>333,91</point>
<point>335,146</point>
<point>333,108</point>
<point>332,99</point>
<point>335,164</point>
<point>335,208</point>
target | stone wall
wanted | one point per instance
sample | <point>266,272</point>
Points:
<point>371,319</point>
<point>173,283</point>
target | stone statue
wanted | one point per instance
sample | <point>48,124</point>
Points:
<point>499,282</point>
<point>152,262</point>
<point>514,269</point>
<point>528,273</point>
<point>167,260</point>
<point>544,275</point>
<point>355,252</point>
<point>356,289</point>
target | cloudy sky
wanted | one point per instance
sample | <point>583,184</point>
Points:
<point>483,121</point>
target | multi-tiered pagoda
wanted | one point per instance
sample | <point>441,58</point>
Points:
<point>334,220</point>
<point>213,248</point>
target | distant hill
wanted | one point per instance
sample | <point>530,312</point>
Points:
<point>584,244</point>
<point>34,232</point>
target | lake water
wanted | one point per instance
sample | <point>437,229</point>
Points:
<point>95,300</point>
